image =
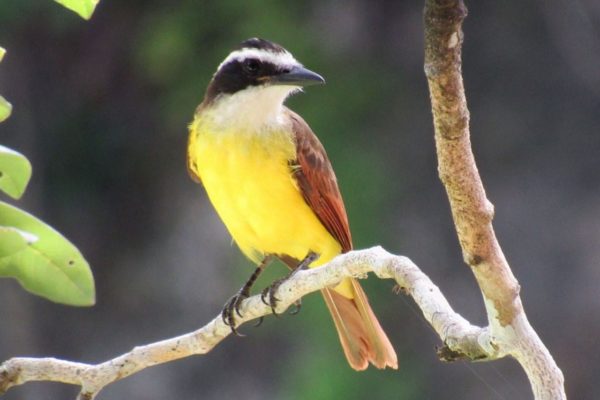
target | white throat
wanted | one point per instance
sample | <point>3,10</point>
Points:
<point>252,110</point>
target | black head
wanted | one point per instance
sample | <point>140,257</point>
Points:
<point>258,62</point>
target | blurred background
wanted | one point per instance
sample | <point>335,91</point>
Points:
<point>101,109</point>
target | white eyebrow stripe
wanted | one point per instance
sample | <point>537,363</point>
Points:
<point>263,55</point>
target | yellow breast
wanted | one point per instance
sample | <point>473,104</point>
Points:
<point>249,182</point>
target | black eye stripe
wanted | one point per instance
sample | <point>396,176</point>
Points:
<point>238,74</point>
<point>234,75</point>
<point>252,65</point>
<point>259,67</point>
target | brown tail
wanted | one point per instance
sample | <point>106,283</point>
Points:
<point>362,338</point>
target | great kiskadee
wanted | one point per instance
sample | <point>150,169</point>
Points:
<point>270,181</point>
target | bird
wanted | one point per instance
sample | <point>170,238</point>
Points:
<point>271,182</point>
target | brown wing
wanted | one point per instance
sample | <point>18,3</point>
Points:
<point>317,181</point>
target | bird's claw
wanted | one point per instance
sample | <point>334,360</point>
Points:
<point>297,307</point>
<point>268,296</point>
<point>231,308</point>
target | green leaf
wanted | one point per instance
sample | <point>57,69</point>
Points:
<point>5,106</point>
<point>15,171</point>
<point>85,8</point>
<point>13,240</point>
<point>5,109</point>
<point>48,265</point>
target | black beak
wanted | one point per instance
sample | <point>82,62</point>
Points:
<point>298,76</point>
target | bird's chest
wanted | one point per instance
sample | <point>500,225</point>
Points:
<point>250,183</point>
<point>242,165</point>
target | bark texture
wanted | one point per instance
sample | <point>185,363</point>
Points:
<point>471,210</point>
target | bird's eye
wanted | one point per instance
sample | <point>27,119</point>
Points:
<point>251,65</point>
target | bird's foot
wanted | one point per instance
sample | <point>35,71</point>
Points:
<point>268,295</point>
<point>232,307</point>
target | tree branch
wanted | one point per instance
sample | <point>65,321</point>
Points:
<point>460,337</point>
<point>471,210</point>
<point>508,333</point>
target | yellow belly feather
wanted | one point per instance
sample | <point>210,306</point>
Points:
<point>249,183</point>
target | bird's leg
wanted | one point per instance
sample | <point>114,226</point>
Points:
<point>268,294</point>
<point>232,306</point>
